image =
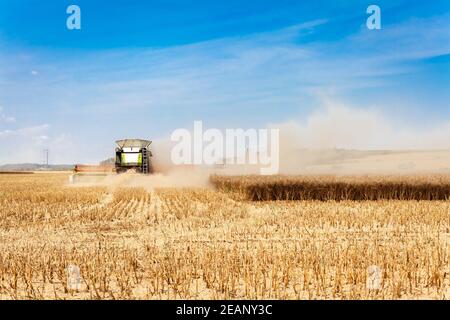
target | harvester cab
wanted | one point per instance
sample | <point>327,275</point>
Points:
<point>133,155</point>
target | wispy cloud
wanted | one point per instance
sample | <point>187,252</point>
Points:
<point>27,144</point>
<point>6,118</point>
<point>26,132</point>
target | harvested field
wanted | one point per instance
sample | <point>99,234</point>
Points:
<point>197,243</point>
<point>324,188</point>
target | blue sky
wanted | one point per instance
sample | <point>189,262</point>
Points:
<point>145,68</point>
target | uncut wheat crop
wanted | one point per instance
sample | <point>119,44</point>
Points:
<point>217,243</point>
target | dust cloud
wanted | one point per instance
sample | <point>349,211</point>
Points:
<point>176,178</point>
<point>337,140</point>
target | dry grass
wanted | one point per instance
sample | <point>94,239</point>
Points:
<point>327,187</point>
<point>132,243</point>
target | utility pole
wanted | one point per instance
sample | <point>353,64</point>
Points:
<point>46,156</point>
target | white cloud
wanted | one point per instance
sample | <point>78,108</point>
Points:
<point>27,144</point>
<point>26,132</point>
<point>6,118</point>
<point>40,139</point>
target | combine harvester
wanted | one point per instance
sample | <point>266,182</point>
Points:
<point>132,155</point>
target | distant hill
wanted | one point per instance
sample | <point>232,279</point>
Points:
<point>35,167</point>
<point>107,161</point>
